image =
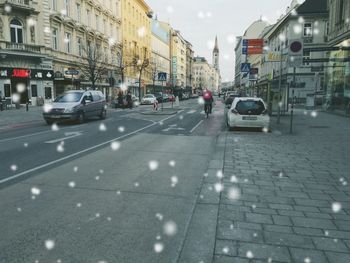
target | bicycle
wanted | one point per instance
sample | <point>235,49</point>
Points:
<point>207,109</point>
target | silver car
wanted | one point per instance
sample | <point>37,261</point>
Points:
<point>76,105</point>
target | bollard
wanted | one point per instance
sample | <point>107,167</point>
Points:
<point>27,106</point>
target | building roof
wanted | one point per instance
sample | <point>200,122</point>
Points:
<point>313,7</point>
<point>216,47</point>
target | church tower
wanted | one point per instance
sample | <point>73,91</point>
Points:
<point>216,54</point>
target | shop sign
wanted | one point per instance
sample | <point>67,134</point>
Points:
<point>36,74</point>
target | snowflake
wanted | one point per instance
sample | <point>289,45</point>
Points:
<point>158,237</point>
<point>255,235</point>
<point>97,178</point>
<point>233,193</point>
<point>219,174</point>
<point>71,184</point>
<point>326,233</point>
<point>231,226</point>
<point>174,181</point>
<point>159,216</point>
<point>231,39</point>
<point>102,127</point>
<point>97,215</point>
<point>60,147</point>
<point>111,41</point>
<point>118,192</point>
<point>78,205</point>
<point>109,219</point>
<point>158,247</point>
<point>282,37</point>
<point>307,260</point>
<point>181,117</point>
<point>75,169</point>
<point>35,190</point>
<point>265,130</point>
<point>47,30</point>
<point>49,244</point>
<point>59,261</point>
<point>20,87</point>
<point>47,108</point>
<point>121,129</point>
<point>170,9</point>
<point>294,12</point>
<point>226,56</point>
<point>25,144</point>
<point>253,206</point>
<point>19,209</point>
<point>218,187</point>
<point>136,184</point>
<point>13,167</point>
<point>8,8</point>
<point>316,31</point>
<point>201,15</point>
<point>205,175</point>
<point>115,146</point>
<point>314,114</point>
<point>101,171</point>
<point>269,260</point>
<point>225,250</point>
<point>250,254</point>
<point>336,207</point>
<point>172,163</point>
<point>297,29</point>
<point>301,20</point>
<point>54,127</point>
<point>170,228</point>
<point>209,14</point>
<point>16,97</point>
<point>31,22</point>
<point>153,165</point>
<point>141,32</point>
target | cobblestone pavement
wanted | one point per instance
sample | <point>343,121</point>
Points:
<point>286,198</point>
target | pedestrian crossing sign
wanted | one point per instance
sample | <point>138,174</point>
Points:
<point>245,67</point>
<point>162,76</point>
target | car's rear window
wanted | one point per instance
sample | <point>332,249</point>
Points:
<point>250,107</point>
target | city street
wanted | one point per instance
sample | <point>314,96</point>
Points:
<point>176,188</point>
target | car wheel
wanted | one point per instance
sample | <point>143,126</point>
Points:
<point>103,114</point>
<point>81,118</point>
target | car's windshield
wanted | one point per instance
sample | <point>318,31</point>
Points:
<point>250,107</point>
<point>69,97</point>
<point>149,96</point>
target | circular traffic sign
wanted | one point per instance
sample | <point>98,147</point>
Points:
<point>296,46</point>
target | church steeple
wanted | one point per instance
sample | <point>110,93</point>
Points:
<point>216,54</point>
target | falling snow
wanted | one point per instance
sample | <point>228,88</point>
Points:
<point>159,216</point>
<point>14,167</point>
<point>307,260</point>
<point>170,228</point>
<point>35,190</point>
<point>336,207</point>
<point>233,193</point>
<point>172,163</point>
<point>49,244</point>
<point>121,129</point>
<point>174,181</point>
<point>158,247</point>
<point>218,187</point>
<point>115,146</point>
<point>60,147</point>
<point>71,184</point>
<point>54,127</point>
<point>250,254</point>
<point>314,114</point>
<point>225,250</point>
<point>102,127</point>
<point>153,165</point>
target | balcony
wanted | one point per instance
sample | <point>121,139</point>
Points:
<point>19,5</point>
<point>20,47</point>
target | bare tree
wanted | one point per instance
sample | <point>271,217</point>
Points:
<point>141,63</point>
<point>92,64</point>
<point>124,61</point>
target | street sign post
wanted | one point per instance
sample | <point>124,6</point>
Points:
<point>245,67</point>
<point>295,53</point>
<point>162,76</point>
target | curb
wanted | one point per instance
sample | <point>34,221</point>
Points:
<point>159,113</point>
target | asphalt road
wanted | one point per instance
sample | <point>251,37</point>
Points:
<point>133,203</point>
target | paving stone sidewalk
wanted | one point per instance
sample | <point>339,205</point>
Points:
<point>286,197</point>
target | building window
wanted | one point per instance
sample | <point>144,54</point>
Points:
<point>66,7</point>
<point>88,17</point>
<point>340,13</point>
<point>16,29</point>
<point>55,38</point>
<point>78,12</point>
<point>54,5</point>
<point>67,40</point>
<point>34,91</point>
<point>306,55</point>
<point>79,48</point>
<point>7,88</point>
<point>97,24</point>
<point>307,30</point>
<point>48,93</point>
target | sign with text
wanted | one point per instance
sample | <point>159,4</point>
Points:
<point>37,74</point>
<point>253,42</point>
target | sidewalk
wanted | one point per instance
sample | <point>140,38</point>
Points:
<point>18,117</point>
<point>286,197</point>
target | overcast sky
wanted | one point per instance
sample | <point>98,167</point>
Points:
<point>200,20</point>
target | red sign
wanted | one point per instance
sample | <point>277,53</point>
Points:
<point>255,42</point>
<point>255,50</point>
<point>21,73</point>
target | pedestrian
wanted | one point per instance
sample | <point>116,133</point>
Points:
<point>155,105</point>
<point>129,100</point>
<point>120,99</point>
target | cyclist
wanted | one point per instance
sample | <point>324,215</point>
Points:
<point>208,100</point>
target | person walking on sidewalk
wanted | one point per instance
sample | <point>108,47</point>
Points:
<point>129,100</point>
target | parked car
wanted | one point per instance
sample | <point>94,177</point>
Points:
<point>194,96</point>
<point>248,112</point>
<point>159,97</point>
<point>230,97</point>
<point>148,99</point>
<point>76,105</point>
<point>165,97</point>
<point>171,97</point>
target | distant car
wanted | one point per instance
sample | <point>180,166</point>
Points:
<point>76,105</point>
<point>115,103</point>
<point>159,97</point>
<point>165,97</point>
<point>230,97</point>
<point>148,99</point>
<point>248,112</point>
<point>171,97</point>
<point>194,96</point>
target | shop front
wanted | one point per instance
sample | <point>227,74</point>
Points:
<point>28,84</point>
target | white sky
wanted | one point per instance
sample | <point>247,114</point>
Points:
<point>200,20</point>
